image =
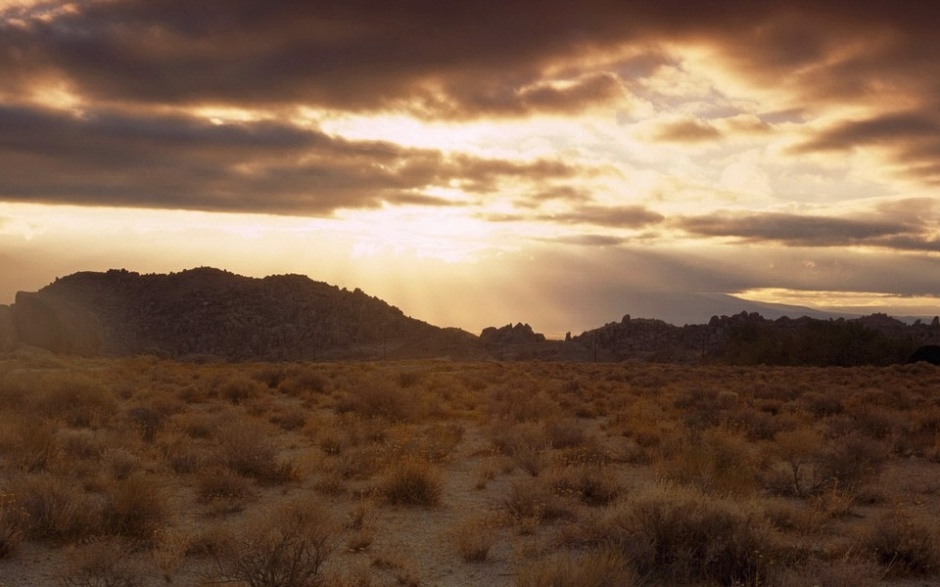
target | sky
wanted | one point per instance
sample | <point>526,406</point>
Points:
<point>555,162</point>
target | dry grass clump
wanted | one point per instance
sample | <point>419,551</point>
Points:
<point>220,484</point>
<point>12,525</point>
<point>104,562</point>
<point>592,485</point>
<point>904,546</point>
<point>601,568</point>
<point>412,483</point>
<point>282,547</point>
<point>56,508</point>
<point>135,508</point>
<point>680,535</point>
<point>715,460</point>
<point>473,538</point>
<point>239,389</point>
<point>375,397</point>
<point>531,501</point>
<point>248,448</point>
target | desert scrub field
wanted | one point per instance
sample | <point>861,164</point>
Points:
<point>450,473</point>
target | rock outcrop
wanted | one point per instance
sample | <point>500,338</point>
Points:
<point>509,334</point>
<point>929,353</point>
<point>8,336</point>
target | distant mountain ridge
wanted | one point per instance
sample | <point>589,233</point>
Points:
<point>210,312</point>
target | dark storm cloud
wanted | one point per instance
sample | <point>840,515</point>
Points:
<point>444,58</point>
<point>809,231</point>
<point>178,161</point>
<point>887,129</point>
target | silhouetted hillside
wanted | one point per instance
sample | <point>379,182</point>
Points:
<point>750,339</point>
<point>209,311</point>
<point>291,317</point>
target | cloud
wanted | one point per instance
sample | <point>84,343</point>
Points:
<point>685,131</point>
<point>608,216</point>
<point>476,59</point>
<point>589,240</point>
<point>809,231</point>
<point>107,158</point>
<point>886,129</point>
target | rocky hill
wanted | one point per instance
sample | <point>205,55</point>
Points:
<point>208,311</point>
<point>749,338</point>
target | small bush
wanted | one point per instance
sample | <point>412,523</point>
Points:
<point>680,535</point>
<point>12,525</point>
<point>219,483</point>
<point>135,508</point>
<point>55,508</point>
<point>239,389</point>
<point>285,547</point>
<point>103,563</point>
<point>247,448</point>
<point>473,539</point>
<point>595,486</point>
<point>592,569</point>
<point>412,483</point>
<point>532,500</point>
<point>904,546</point>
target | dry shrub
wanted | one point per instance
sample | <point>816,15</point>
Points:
<point>412,483</point>
<point>799,449</point>
<point>851,460</point>
<point>104,562</point>
<point>135,508</point>
<point>55,508</point>
<point>12,525</point>
<point>33,446</point>
<point>147,420</point>
<point>360,526</point>
<point>522,405</point>
<point>120,462</point>
<point>592,485</point>
<point>681,535</point>
<point>288,418</point>
<point>592,569</point>
<point>473,539</point>
<point>532,500</point>
<point>75,399</point>
<point>220,483</point>
<point>565,433</point>
<point>717,460</point>
<point>306,381</point>
<point>379,398</point>
<point>80,443</point>
<point>525,443</point>
<point>283,547</point>
<point>238,389</point>
<point>247,447</point>
<point>794,517</point>
<point>903,545</point>
<point>181,453</point>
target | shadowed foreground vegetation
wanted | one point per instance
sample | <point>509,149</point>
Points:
<point>460,473</point>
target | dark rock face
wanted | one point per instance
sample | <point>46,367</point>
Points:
<point>509,334</point>
<point>8,336</point>
<point>213,312</point>
<point>56,324</point>
<point>929,353</point>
